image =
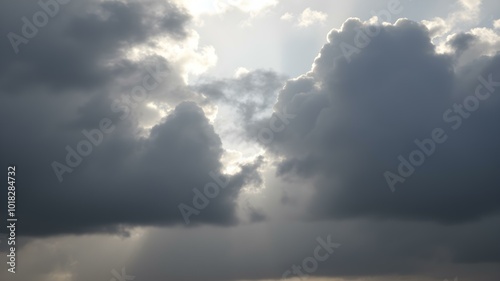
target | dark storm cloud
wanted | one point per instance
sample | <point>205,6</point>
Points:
<point>71,77</point>
<point>370,250</point>
<point>125,181</point>
<point>352,121</point>
<point>355,117</point>
<point>82,46</point>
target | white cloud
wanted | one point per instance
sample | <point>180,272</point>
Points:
<point>286,17</point>
<point>248,6</point>
<point>471,9</point>
<point>496,24</point>
<point>469,13</point>
<point>240,72</point>
<point>213,7</point>
<point>485,42</point>
<point>188,55</point>
<point>309,17</point>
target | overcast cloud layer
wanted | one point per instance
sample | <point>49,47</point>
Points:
<point>132,155</point>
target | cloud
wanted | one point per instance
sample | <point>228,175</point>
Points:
<point>213,7</point>
<point>287,17</point>
<point>267,249</point>
<point>248,6</point>
<point>309,17</point>
<point>79,73</point>
<point>496,24</point>
<point>470,45</point>
<point>354,120</point>
<point>127,181</point>
<point>251,92</point>
<point>84,45</point>
<point>468,13</point>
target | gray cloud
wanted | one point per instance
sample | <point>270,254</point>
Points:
<point>252,93</point>
<point>355,118</point>
<point>68,79</point>
<point>125,181</point>
<point>82,46</point>
<point>461,42</point>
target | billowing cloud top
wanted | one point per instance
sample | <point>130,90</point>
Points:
<point>376,94</point>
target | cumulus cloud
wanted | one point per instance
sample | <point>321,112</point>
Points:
<point>132,176</point>
<point>309,17</point>
<point>467,13</point>
<point>83,48</point>
<point>468,46</point>
<point>353,121</point>
<point>287,17</point>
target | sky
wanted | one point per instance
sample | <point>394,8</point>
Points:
<point>238,140</point>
